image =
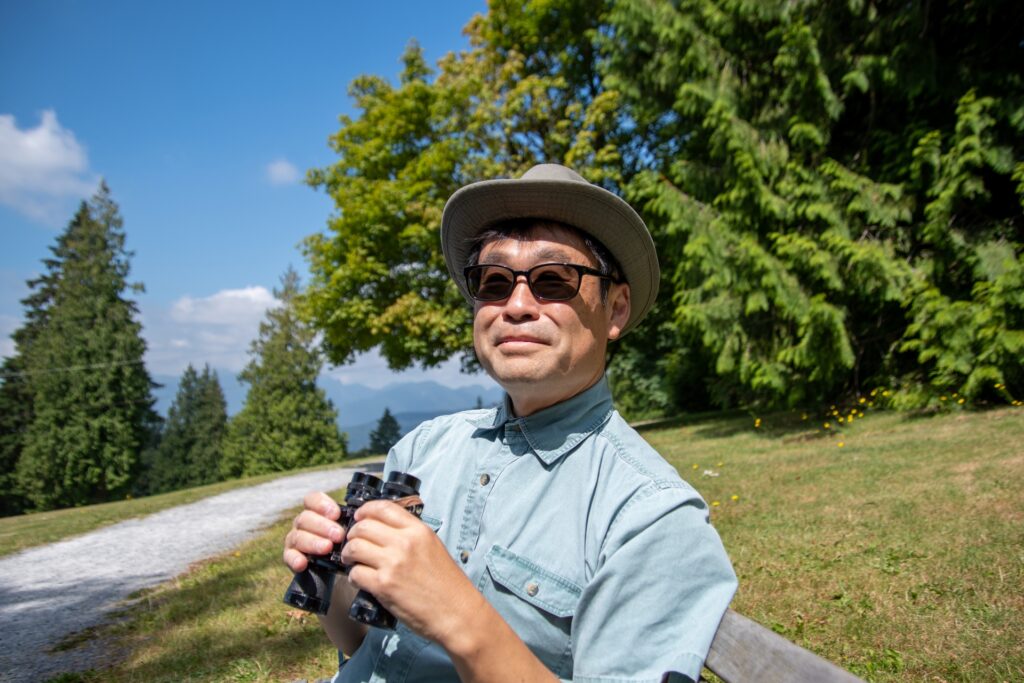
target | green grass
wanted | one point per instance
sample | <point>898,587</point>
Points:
<point>38,528</point>
<point>899,556</point>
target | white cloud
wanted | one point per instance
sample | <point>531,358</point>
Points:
<point>42,169</point>
<point>282,172</point>
<point>216,329</point>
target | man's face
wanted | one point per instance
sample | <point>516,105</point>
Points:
<point>543,352</point>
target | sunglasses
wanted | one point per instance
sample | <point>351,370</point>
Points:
<point>547,281</point>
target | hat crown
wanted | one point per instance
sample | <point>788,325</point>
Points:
<point>552,172</point>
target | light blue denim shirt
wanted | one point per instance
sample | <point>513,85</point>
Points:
<point>582,537</point>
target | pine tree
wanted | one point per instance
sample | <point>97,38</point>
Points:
<point>92,408</point>
<point>191,443</point>
<point>15,416</point>
<point>386,434</point>
<point>287,421</point>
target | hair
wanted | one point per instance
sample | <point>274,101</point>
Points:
<point>520,229</point>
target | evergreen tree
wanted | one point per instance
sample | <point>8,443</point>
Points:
<point>386,434</point>
<point>15,416</point>
<point>191,443</point>
<point>91,408</point>
<point>836,190</point>
<point>287,421</point>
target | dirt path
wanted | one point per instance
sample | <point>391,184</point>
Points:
<point>52,591</point>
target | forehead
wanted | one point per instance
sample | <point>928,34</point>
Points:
<point>538,243</point>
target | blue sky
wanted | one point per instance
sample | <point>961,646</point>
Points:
<point>203,118</point>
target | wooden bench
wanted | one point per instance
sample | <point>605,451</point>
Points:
<point>743,651</point>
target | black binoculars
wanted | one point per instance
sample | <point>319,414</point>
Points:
<point>310,590</point>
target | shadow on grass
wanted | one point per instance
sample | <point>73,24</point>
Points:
<point>786,425</point>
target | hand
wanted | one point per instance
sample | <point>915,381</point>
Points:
<point>401,561</point>
<point>315,530</point>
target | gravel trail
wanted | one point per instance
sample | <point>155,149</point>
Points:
<point>52,591</point>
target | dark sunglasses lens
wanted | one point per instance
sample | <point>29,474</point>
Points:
<point>489,283</point>
<point>554,282</point>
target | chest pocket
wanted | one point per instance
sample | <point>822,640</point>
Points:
<point>538,604</point>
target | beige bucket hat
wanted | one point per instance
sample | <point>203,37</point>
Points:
<point>554,192</point>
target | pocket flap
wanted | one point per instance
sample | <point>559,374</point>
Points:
<point>534,584</point>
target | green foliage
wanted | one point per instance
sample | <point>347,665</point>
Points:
<point>386,434</point>
<point>287,421</point>
<point>191,443</point>
<point>81,350</point>
<point>15,416</point>
<point>520,95</point>
<point>835,189</point>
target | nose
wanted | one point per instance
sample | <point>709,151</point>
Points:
<point>521,304</point>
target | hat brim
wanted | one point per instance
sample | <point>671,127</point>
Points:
<point>586,207</point>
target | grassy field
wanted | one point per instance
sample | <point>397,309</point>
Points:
<point>25,531</point>
<point>894,547</point>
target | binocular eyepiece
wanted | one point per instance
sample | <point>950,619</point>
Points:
<point>310,590</point>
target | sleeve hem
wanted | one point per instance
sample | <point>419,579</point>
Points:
<point>686,663</point>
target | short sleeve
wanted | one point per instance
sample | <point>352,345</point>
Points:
<point>656,598</point>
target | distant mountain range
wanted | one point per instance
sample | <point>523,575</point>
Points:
<point>360,407</point>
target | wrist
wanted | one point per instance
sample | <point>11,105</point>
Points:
<point>471,625</point>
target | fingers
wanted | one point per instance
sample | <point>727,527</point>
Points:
<point>388,512</point>
<point>317,524</point>
<point>321,503</point>
<point>314,531</point>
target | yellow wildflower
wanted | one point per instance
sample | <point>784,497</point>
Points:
<point>862,400</point>
<point>695,465</point>
<point>828,425</point>
<point>757,423</point>
<point>718,465</point>
<point>841,444</point>
<point>942,398</point>
<point>735,498</point>
<point>842,419</point>
<point>960,401</point>
<point>885,393</point>
<point>715,503</point>
<point>860,414</point>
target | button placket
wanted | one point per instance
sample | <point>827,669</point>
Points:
<point>489,467</point>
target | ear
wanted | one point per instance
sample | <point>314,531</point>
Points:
<point>618,310</point>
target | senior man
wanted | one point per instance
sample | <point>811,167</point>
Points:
<point>555,543</point>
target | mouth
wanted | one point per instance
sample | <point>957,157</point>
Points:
<point>518,340</point>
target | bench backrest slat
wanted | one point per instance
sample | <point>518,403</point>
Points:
<point>743,651</point>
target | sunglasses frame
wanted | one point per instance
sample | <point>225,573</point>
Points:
<point>580,270</point>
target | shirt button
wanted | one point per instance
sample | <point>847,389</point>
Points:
<point>485,479</point>
<point>531,589</point>
<point>464,556</point>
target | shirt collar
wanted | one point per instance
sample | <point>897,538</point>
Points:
<point>556,430</point>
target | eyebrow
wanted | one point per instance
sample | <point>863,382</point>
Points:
<point>498,257</point>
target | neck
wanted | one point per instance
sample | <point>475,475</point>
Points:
<point>528,399</point>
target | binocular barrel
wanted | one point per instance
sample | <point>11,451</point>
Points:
<point>310,590</point>
<point>365,608</point>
